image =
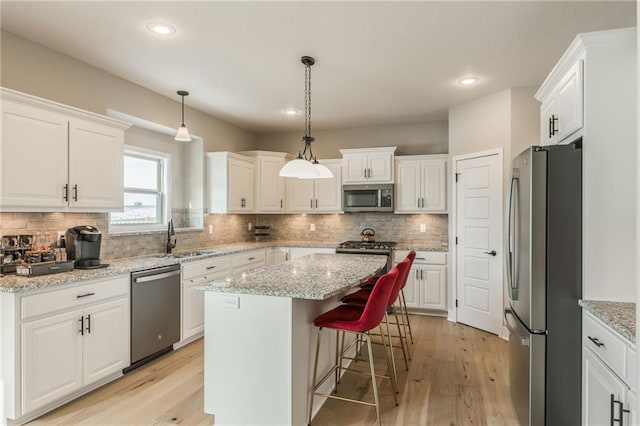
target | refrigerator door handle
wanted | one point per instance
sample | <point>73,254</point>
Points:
<point>524,340</point>
<point>511,238</point>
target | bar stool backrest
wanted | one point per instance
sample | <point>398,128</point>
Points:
<point>374,310</point>
<point>411,256</point>
<point>403,273</point>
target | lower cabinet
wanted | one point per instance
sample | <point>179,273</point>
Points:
<point>74,345</point>
<point>426,286</point>
<point>276,255</point>
<point>608,376</point>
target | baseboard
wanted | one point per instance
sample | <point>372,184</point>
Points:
<point>504,333</point>
<point>188,340</point>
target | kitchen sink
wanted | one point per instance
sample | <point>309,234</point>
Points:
<point>183,254</point>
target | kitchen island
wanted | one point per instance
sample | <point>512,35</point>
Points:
<point>260,337</point>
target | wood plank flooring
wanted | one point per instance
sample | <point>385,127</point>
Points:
<point>458,376</point>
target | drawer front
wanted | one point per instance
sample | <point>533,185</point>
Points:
<point>207,266</point>
<point>430,257</point>
<point>256,257</point>
<point>609,347</point>
<point>68,298</point>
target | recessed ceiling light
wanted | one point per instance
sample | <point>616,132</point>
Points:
<point>291,111</point>
<point>468,81</point>
<point>160,28</point>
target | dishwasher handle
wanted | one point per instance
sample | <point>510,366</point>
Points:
<point>148,278</point>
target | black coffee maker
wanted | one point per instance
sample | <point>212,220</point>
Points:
<point>83,246</point>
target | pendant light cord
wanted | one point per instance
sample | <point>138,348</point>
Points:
<point>183,111</point>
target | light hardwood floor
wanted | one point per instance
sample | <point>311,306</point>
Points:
<point>458,376</point>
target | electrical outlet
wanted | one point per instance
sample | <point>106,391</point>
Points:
<point>423,227</point>
<point>249,226</point>
<point>230,302</point>
<point>312,227</point>
<point>210,229</point>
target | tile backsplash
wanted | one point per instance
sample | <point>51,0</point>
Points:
<point>229,229</point>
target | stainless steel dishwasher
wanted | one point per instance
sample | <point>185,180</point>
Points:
<point>155,313</point>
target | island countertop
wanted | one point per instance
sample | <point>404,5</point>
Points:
<point>314,277</point>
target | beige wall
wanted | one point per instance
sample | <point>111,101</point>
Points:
<point>525,119</point>
<point>40,71</point>
<point>411,139</point>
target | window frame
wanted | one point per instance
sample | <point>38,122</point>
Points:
<point>163,193</point>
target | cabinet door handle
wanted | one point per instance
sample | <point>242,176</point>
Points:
<point>621,411</point>
<point>421,273</point>
<point>210,267</point>
<point>316,203</point>
<point>417,276</point>
<point>550,128</point>
<point>75,192</point>
<point>66,192</point>
<point>252,258</point>
<point>89,323</point>
<point>554,120</point>
<point>596,341</point>
<point>286,256</point>
<point>81,331</point>
<point>80,296</point>
<point>311,203</point>
<point>280,202</point>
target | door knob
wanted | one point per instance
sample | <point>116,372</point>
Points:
<point>492,252</point>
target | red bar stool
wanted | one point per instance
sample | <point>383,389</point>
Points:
<point>403,301</point>
<point>356,320</point>
<point>361,297</point>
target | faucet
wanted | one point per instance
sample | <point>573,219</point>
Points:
<point>170,233</point>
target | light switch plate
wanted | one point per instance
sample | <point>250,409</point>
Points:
<point>312,227</point>
<point>423,227</point>
<point>230,302</point>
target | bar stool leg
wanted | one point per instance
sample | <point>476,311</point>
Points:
<point>406,314</point>
<point>392,374</point>
<point>402,340</point>
<point>315,372</point>
<point>373,377</point>
<point>337,372</point>
<point>341,355</point>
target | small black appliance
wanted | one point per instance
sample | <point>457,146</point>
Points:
<point>83,246</point>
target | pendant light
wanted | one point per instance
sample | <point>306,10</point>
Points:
<point>183,132</point>
<point>306,165</point>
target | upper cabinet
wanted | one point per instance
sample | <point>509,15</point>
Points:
<point>316,195</point>
<point>591,94</point>
<point>230,183</point>
<point>269,186</point>
<point>561,113</point>
<point>58,158</point>
<point>421,184</point>
<point>368,165</point>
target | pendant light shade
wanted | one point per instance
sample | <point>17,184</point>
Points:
<point>306,165</point>
<point>183,132</point>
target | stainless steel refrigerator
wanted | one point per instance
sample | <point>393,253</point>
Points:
<point>544,283</point>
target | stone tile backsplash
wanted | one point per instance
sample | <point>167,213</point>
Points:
<point>229,229</point>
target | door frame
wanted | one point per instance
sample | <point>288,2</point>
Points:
<point>453,231</point>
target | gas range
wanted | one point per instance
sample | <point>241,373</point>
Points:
<point>381,247</point>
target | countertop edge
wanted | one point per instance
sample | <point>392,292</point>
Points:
<point>619,316</point>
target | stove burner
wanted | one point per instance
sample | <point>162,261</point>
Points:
<point>365,246</point>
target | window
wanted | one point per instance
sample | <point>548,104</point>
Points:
<point>146,197</point>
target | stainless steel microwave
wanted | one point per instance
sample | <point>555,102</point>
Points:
<point>367,198</point>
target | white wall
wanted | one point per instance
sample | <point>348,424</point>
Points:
<point>31,68</point>
<point>411,139</point>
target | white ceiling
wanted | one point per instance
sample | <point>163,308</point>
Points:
<point>376,62</point>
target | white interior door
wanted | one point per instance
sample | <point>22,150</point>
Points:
<point>479,235</point>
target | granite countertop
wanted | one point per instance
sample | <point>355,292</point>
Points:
<point>15,283</point>
<point>315,277</point>
<point>620,316</point>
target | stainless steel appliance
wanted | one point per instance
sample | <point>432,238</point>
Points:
<point>155,313</point>
<point>544,282</point>
<point>367,198</point>
<point>382,248</point>
<point>83,246</point>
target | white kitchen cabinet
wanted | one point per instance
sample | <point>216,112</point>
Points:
<point>296,252</point>
<point>269,185</point>
<point>72,338</point>
<point>58,158</point>
<point>52,359</point>
<point>276,255</point>
<point>608,375</point>
<point>421,184</point>
<point>248,260</point>
<point>368,165</point>
<point>426,287</point>
<point>195,274</point>
<point>230,183</point>
<point>316,195</point>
